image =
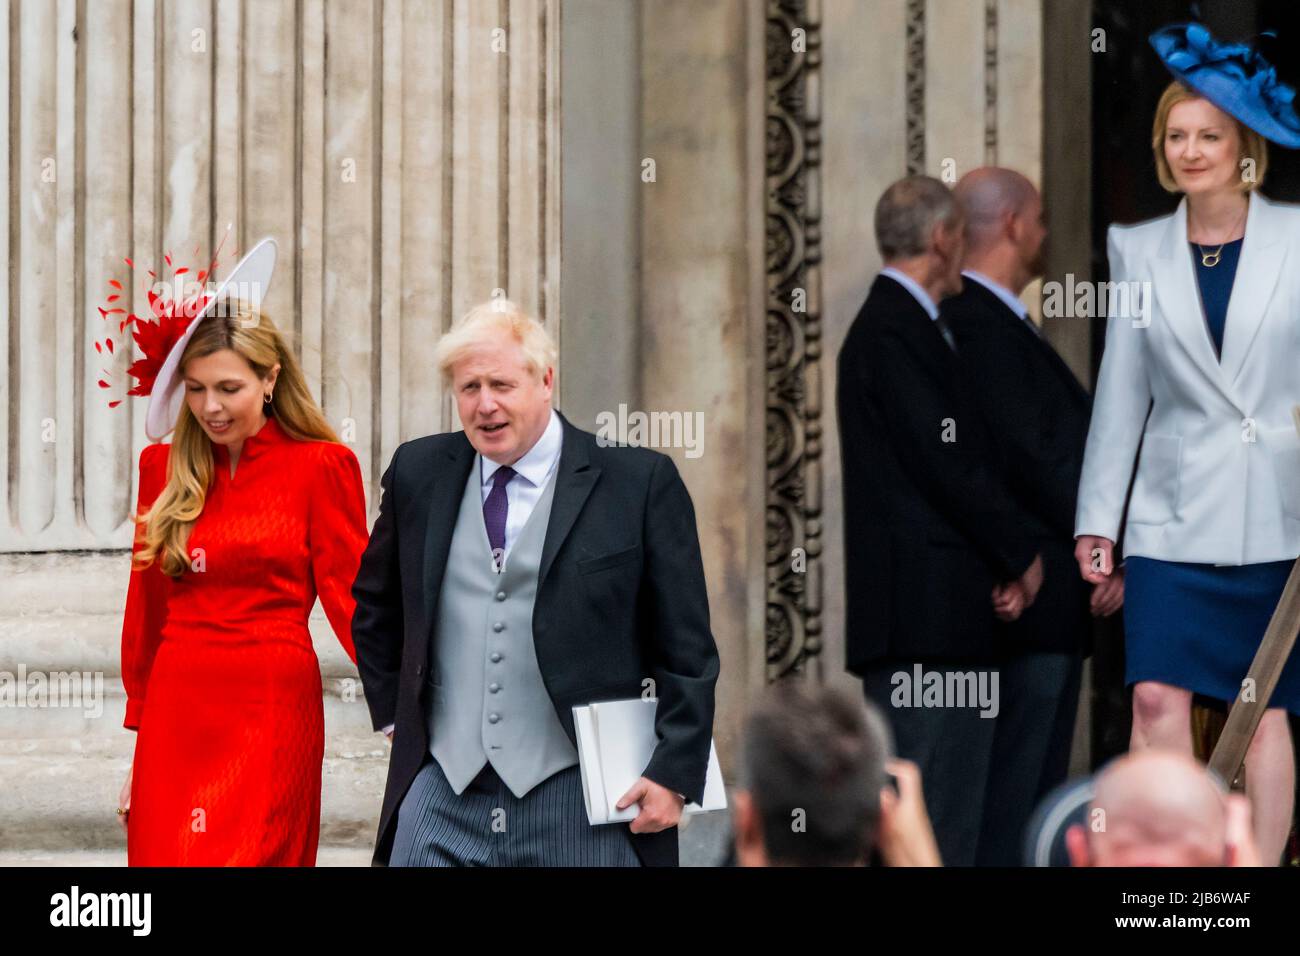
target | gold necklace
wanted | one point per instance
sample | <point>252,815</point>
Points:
<point>1211,259</point>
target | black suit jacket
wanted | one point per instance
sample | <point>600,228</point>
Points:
<point>1039,414</point>
<point>930,526</point>
<point>620,598</point>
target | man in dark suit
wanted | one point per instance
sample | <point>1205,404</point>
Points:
<point>1038,413</point>
<point>517,569</point>
<point>935,544</point>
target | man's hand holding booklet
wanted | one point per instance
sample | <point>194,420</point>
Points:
<point>615,742</point>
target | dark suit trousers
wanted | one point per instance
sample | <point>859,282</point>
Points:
<point>1031,749</point>
<point>982,776</point>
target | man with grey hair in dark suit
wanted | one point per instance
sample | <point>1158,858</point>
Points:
<point>517,569</point>
<point>934,542</point>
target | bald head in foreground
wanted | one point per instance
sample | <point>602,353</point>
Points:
<point>1159,808</point>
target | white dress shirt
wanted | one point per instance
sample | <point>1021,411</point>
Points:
<point>912,286</point>
<point>1006,295</point>
<point>532,472</point>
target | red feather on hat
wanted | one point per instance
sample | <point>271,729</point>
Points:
<point>154,337</point>
<point>155,341</point>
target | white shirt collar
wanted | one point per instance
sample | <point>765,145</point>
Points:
<point>912,286</point>
<point>1002,292</point>
<point>538,462</point>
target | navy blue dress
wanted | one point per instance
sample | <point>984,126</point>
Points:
<point>1197,626</point>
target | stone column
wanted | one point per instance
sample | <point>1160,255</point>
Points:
<point>408,175</point>
<point>702,295</point>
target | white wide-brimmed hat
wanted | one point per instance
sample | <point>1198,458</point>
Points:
<point>248,281</point>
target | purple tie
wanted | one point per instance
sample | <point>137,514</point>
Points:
<point>494,510</point>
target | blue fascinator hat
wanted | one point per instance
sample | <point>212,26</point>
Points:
<point>1235,77</point>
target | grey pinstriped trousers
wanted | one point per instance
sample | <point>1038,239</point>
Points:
<point>487,825</point>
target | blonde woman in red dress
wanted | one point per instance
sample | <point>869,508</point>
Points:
<point>252,511</point>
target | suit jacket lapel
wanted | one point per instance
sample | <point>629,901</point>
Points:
<point>445,494</point>
<point>1257,275</point>
<point>1180,300</point>
<point>575,476</point>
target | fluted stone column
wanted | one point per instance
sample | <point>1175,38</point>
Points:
<point>409,174</point>
<point>702,294</point>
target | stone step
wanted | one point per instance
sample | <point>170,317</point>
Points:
<point>83,640</point>
<point>72,582</point>
<point>99,707</point>
<point>64,799</point>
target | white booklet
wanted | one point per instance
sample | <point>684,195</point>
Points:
<point>616,739</point>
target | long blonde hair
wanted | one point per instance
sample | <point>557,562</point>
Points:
<point>253,336</point>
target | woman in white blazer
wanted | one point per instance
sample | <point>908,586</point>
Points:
<point>1201,375</point>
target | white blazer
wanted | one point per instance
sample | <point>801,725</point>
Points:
<point>1218,481</point>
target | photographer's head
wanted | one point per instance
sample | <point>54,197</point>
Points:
<point>814,766</point>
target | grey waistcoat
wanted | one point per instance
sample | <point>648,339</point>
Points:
<point>488,702</point>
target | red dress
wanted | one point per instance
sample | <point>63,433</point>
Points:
<point>222,683</point>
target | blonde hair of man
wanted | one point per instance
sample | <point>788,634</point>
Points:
<point>494,316</point>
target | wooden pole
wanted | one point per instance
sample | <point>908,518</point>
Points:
<point>1265,670</point>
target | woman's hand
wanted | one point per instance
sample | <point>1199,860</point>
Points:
<point>1108,596</point>
<point>124,798</point>
<point>1096,557</point>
